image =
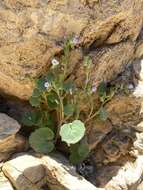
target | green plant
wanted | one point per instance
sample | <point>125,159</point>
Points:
<point>59,111</point>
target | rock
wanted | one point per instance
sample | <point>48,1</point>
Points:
<point>105,173</point>
<point>139,47</point>
<point>29,172</point>
<point>139,89</point>
<point>138,69</point>
<point>140,186</point>
<point>4,183</point>
<point>9,141</point>
<point>99,130</point>
<point>65,176</point>
<point>116,144</point>
<point>139,127</point>
<point>8,126</point>
<point>128,176</point>
<point>138,143</point>
<point>33,31</point>
<point>25,172</point>
<point>125,114</point>
<point>139,50</point>
<point>125,110</point>
<point>138,78</point>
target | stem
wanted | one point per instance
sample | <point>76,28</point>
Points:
<point>77,114</point>
<point>95,114</point>
<point>58,131</point>
<point>61,113</point>
<point>91,110</point>
<point>45,98</point>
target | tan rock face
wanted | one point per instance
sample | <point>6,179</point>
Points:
<point>99,130</point>
<point>9,141</point>
<point>125,110</point>
<point>125,113</point>
<point>32,32</point>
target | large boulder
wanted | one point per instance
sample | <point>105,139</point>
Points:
<point>27,171</point>
<point>33,31</point>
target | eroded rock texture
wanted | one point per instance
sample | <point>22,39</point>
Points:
<point>32,173</point>
<point>9,141</point>
<point>118,143</point>
<point>32,31</point>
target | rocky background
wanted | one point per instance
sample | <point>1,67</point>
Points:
<point>111,32</point>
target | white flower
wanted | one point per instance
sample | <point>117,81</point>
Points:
<point>47,85</point>
<point>55,62</point>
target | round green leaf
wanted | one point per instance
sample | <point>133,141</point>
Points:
<point>75,158</point>
<point>27,119</point>
<point>40,140</point>
<point>49,77</point>
<point>36,93</point>
<point>41,84</point>
<point>31,118</point>
<point>83,150</point>
<point>72,133</point>
<point>53,100</point>
<point>34,101</point>
<point>78,153</point>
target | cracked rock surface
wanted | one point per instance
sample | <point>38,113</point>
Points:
<point>30,172</point>
<point>10,142</point>
<point>33,31</point>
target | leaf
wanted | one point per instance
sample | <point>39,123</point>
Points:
<point>41,140</point>
<point>34,101</point>
<point>69,86</point>
<point>31,118</point>
<point>41,84</point>
<point>83,150</point>
<point>75,158</point>
<point>49,77</point>
<point>36,93</point>
<point>79,152</point>
<point>68,109</point>
<point>47,121</point>
<point>27,119</point>
<point>58,83</point>
<point>53,100</point>
<point>103,114</point>
<point>72,133</point>
<point>102,89</point>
